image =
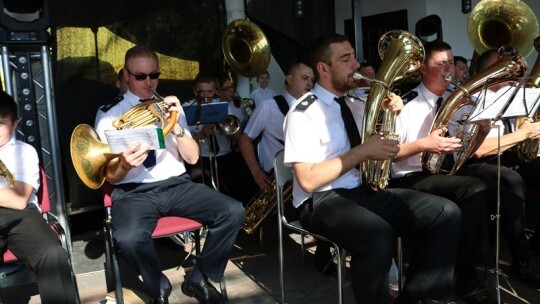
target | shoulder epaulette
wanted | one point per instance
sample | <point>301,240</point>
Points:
<point>409,96</point>
<point>306,102</point>
<point>108,106</point>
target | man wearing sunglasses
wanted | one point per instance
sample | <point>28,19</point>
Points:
<point>145,191</point>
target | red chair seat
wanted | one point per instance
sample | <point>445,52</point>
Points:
<point>169,225</point>
<point>9,257</point>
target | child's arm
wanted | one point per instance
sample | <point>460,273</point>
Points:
<point>16,197</point>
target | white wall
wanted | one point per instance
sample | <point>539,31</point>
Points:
<point>454,22</point>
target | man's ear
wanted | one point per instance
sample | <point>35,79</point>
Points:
<point>322,68</point>
<point>288,79</point>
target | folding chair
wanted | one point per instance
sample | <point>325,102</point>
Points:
<point>283,175</point>
<point>167,226</point>
<point>12,265</point>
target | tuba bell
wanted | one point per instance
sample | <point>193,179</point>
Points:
<point>510,64</point>
<point>402,53</point>
<point>90,156</point>
<point>245,48</point>
<point>528,149</point>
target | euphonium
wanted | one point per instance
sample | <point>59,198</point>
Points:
<point>90,156</point>
<point>402,53</point>
<point>528,149</point>
<point>263,205</point>
<point>510,64</point>
<point>6,174</point>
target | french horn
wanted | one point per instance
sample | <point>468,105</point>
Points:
<point>90,155</point>
<point>402,53</point>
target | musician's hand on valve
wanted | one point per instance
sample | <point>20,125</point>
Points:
<point>173,104</point>
<point>393,102</point>
<point>263,180</point>
<point>436,142</point>
<point>378,148</point>
<point>530,129</point>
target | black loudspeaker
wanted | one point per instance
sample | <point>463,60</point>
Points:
<point>465,6</point>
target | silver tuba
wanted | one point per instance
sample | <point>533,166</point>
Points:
<point>402,53</point>
<point>510,64</point>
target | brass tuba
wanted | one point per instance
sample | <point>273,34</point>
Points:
<point>245,48</point>
<point>402,53</point>
<point>528,149</point>
<point>510,64</point>
<point>90,156</point>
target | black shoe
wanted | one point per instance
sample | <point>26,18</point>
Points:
<point>164,294</point>
<point>324,261</point>
<point>479,296</point>
<point>527,273</point>
<point>203,291</point>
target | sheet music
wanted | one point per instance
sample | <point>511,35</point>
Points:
<point>508,102</point>
<point>119,140</point>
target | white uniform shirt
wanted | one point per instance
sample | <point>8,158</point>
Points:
<point>268,119</point>
<point>168,160</point>
<point>317,134</point>
<point>414,122</point>
<point>261,94</point>
<point>22,161</point>
<point>223,141</point>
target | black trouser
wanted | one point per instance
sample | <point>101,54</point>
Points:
<point>512,201</point>
<point>471,195</point>
<point>31,239</point>
<point>137,208</point>
<point>366,226</point>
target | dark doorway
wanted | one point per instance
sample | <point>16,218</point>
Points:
<point>373,27</point>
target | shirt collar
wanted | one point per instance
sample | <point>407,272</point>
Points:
<point>428,95</point>
<point>11,142</point>
<point>323,95</point>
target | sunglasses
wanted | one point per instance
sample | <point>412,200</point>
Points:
<point>141,77</point>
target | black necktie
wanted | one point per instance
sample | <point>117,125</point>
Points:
<point>438,104</point>
<point>350,124</point>
<point>150,160</point>
<point>448,161</point>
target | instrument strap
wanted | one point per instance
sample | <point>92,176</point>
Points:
<point>282,104</point>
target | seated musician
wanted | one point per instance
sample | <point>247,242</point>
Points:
<point>152,184</point>
<point>23,230</point>
<point>469,193</point>
<point>216,149</point>
<point>323,148</point>
<point>514,176</point>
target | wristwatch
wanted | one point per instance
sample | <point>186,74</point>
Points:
<point>181,133</point>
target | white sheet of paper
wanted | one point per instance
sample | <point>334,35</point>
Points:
<point>119,140</point>
<point>521,105</point>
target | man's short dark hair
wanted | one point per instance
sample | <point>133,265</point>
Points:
<point>461,59</point>
<point>435,46</point>
<point>295,64</point>
<point>140,51</point>
<point>8,107</point>
<point>320,51</point>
